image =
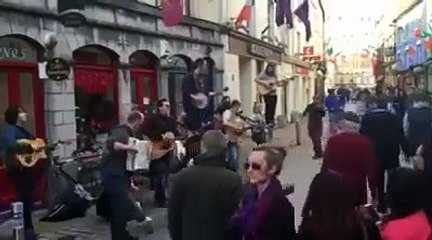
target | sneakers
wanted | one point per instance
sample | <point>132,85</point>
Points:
<point>136,229</point>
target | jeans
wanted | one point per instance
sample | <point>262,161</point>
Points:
<point>122,209</point>
<point>315,136</point>
<point>159,174</point>
<point>233,151</point>
<point>25,186</point>
<point>270,108</point>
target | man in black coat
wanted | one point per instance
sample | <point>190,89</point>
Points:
<point>385,131</point>
<point>204,196</point>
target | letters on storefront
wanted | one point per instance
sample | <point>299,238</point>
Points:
<point>12,53</point>
<point>247,46</point>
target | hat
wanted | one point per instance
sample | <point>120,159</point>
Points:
<point>351,117</point>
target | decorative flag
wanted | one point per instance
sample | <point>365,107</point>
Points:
<point>246,13</point>
<point>283,13</point>
<point>411,51</point>
<point>302,12</point>
<point>429,44</point>
<point>329,51</point>
<point>172,12</point>
<point>418,33</point>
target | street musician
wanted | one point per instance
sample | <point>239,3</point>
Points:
<point>234,128</point>
<point>161,130</point>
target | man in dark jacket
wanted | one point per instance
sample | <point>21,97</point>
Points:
<point>315,112</point>
<point>386,134</point>
<point>204,196</point>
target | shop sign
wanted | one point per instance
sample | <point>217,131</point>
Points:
<point>71,12</point>
<point>15,49</point>
<point>57,69</point>
<point>308,51</point>
<point>260,51</point>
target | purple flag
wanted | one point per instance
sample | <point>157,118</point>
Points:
<point>302,12</point>
<point>283,13</point>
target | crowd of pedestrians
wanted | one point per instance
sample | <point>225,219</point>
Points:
<point>350,198</point>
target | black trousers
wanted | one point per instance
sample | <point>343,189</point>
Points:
<point>122,209</point>
<point>24,180</point>
<point>270,102</point>
<point>159,169</point>
<point>382,199</point>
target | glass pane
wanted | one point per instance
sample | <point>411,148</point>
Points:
<point>148,89</point>
<point>26,85</point>
<point>175,81</point>
<point>133,89</point>
<point>4,98</point>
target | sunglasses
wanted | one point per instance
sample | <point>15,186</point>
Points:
<point>254,166</point>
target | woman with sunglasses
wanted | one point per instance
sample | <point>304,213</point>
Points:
<point>265,212</point>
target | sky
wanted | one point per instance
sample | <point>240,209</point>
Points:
<point>351,23</point>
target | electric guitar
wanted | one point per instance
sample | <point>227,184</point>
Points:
<point>201,100</point>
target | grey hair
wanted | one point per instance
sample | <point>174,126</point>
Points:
<point>213,140</point>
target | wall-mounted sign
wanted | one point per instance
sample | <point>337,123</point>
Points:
<point>308,51</point>
<point>260,51</point>
<point>57,69</point>
<point>71,12</point>
<point>15,49</point>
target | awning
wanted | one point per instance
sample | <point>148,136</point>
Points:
<point>94,82</point>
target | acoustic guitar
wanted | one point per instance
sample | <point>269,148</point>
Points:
<point>201,100</point>
<point>268,86</point>
<point>38,146</point>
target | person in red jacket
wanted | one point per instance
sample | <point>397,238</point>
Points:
<point>351,155</point>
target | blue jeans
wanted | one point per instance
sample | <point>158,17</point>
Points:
<point>233,152</point>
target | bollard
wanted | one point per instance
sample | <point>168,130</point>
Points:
<point>298,133</point>
<point>18,221</point>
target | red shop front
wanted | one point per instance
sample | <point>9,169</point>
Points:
<point>96,90</point>
<point>20,86</point>
<point>144,79</point>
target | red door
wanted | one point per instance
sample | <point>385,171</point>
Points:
<point>144,88</point>
<point>20,86</point>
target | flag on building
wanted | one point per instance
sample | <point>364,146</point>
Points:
<point>172,12</point>
<point>245,14</point>
<point>283,13</point>
<point>302,12</point>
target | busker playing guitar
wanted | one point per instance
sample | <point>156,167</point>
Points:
<point>22,173</point>
<point>234,128</point>
<point>161,130</point>
<point>266,86</point>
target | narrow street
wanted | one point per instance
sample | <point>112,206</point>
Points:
<point>299,169</point>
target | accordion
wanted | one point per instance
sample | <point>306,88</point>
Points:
<point>139,160</point>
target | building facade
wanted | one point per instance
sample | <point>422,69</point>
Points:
<point>410,46</point>
<point>123,57</point>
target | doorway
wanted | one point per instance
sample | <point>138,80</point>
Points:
<point>144,88</point>
<point>20,87</point>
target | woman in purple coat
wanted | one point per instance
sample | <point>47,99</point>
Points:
<point>266,213</point>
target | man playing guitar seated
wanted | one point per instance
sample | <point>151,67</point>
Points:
<point>161,130</point>
<point>234,128</point>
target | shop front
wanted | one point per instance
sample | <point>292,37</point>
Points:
<point>96,90</point>
<point>144,80</point>
<point>411,52</point>
<point>20,86</point>
<point>245,59</point>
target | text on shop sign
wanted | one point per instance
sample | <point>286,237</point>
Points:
<point>11,53</point>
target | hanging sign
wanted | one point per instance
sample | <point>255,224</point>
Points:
<point>57,69</point>
<point>71,12</point>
